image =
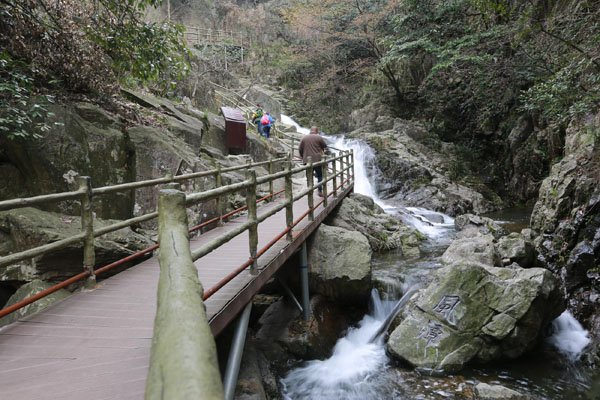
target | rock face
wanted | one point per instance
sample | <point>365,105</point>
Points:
<point>25,228</point>
<point>566,220</point>
<point>283,332</point>
<point>28,290</point>
<point>475,313</point>
<point>418,169</point>
<point>339,264</point>
<point>384,231</point>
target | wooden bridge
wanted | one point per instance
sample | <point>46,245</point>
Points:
<point>110,342</point>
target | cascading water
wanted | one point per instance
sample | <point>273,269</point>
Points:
<point>351,371</point>
<point>568,336</point>
<point>358,365</point>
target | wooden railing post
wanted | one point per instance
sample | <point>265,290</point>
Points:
<point>218,183</point>
<point>87,227</point>
<point>342,167</point>
<point>324,186</point>
<point>352,164</point>
<point>252,218</point>
<point>271,191</point>
<point>311,185</point>
<point>334,172</point>
<point>183,360</point>
<point>289,198</point>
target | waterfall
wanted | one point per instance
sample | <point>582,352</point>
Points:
<point>568,336</point>
<point>352,370</point>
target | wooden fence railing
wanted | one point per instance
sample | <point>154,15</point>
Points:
<point>86,194</point>
<point>177,294</point>
<point>194,35</point>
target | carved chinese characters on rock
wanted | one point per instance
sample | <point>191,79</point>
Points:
<point>446,308</point>
<point>432,333</point>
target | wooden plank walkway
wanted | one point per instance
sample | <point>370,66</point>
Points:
<point>96,344</point>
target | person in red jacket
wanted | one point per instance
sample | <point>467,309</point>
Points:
<point>313,145</point>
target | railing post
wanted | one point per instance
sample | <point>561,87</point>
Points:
<point>292,147</point>
<point>218,184</point>
<point>342,167</point>
<point>271,191</point>
<point>334,172</point>
<point>289,198</point>
<point>311,185</point>
<point>87,227</point>
<point>183,360</point>
<point>352,164</point>
<point>324,186</point>
<point>252,218</point>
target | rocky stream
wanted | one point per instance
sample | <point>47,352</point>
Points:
<point>491,322</point>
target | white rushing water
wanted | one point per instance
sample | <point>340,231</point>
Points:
<point>354,369</point>
<point>351,370</point>
<point>430,223</point>
<point>568,336</point>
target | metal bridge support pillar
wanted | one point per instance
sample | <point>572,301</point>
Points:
<point>304,282</point>
<point>235,352</point>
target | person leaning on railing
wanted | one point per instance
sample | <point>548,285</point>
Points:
<point>313,145</point>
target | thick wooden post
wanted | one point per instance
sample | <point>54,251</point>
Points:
<point>218,183</point>
<point>310,182</point>
<point>324,186</point>
<point>183,361</point>
<point>289,199</point>
<point>252,217</point>
<point>87,227</point>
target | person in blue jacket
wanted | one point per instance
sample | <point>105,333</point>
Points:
<point>267,122</point>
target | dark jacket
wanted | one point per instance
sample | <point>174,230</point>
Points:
<point>312,145</point>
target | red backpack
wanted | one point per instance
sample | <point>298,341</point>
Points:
<point>265,120</point>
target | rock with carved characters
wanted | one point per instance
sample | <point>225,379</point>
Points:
<point>472,312</point>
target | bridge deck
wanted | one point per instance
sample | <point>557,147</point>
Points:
<point>96,344</point>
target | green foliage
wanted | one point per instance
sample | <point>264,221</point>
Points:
<point>22,113</point>
<point>146,51</point>
<point>91,44</point>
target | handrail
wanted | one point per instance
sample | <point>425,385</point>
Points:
<point>190,200</point>
<point>88,233</point>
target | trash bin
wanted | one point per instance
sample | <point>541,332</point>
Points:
<point>235,129</point>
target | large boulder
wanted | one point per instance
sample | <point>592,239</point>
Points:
<point>339,263</point>
<point>478,249</point>
<point>384,231</point>
<point>28,227</point>
<point>482,224</point>
<point>27,290</point>
<point>516,248</point>
<point>475,313</point>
